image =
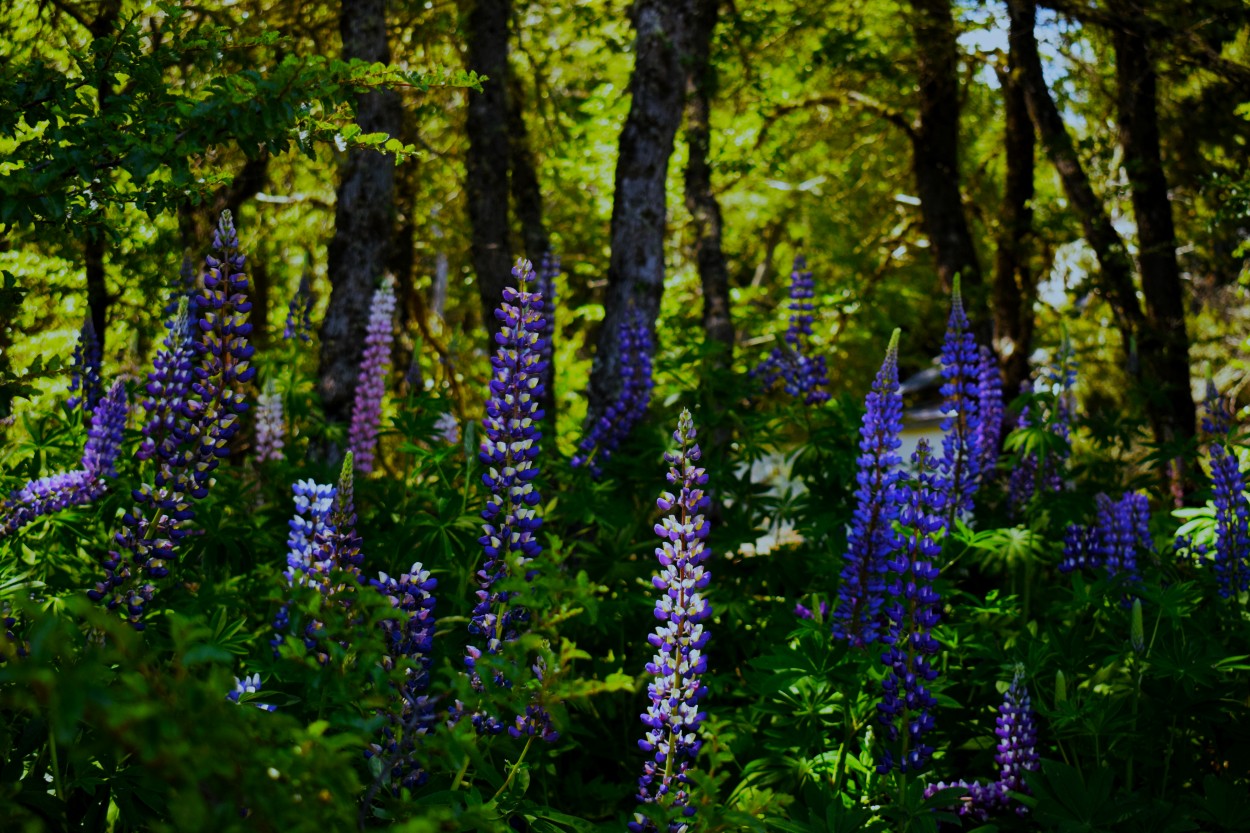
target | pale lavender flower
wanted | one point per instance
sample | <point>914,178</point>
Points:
<point>371,383</point>
<point>270,425</point>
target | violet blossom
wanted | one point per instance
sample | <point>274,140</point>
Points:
<point>371,383</point>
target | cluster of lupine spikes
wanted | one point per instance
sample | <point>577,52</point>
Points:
<point>801,374</point>
<point>371,382</point>
<point>611,429</point>
<point>80,486</point>
<point>1016,729</point>
<point>1120,532</point>
<point>673,718</point>
<point>202,425</point>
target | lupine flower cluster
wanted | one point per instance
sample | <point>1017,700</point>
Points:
<point>611,429</point>
<point>168,388</point>
<point>409,637</point>
<point>961,426</point>
<point>508,451</point>
<point>371,383</point>
<point>85,386</point>
<point>857,619</point>
<point>448,428</point>
<point>270,425</point>
<point>152,530</point>
<point>673,717</point>
<point>1120,532</point>
<point>47,495</point>
<point>990,409</point>
<point>905,709</point>
<point>801,375</point>
<point>1232,523</point>
<point>299,312</point>
<point>1217,410</point>
<point>247,687</point>
<point>1016,729</point>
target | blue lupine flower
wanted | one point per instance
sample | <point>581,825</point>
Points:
<point>299,312</point>
<point>961,426</point>
<point>611,429</point>
<point>872,538</point>
<point>148,541</point>
<point>1232,515</point>
<point>169,385</point>
<point>53,493</point>
<point>85,386</point>
<point>510,446</point>
<point>362,437</point>
<point>673,717</point>
<point>800,374</point>
<point>408,637</point>
<point>247,687</point>
<point>1121,530</point>
<point>913,613</point>
<point>990,409</point>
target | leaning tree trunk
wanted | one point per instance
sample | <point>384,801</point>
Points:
<point>718,325</point>
<point>935,152</point>
<point>1163,343</point>
<point>364,215</point>
<point>639,213</point>
<point>486,167</point>
<point>1015,283</point>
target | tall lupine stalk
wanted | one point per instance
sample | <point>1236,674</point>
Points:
<point>81,486</point>
<point>905,710</point>
<point>1016,753</point>
<point>1121,530</point>
<point>1232,523</point>
<point>606,435</point>
<point>371,383</point>
<point>151,532</point>
<point>857,619</point>
<point>85,385</point>
<point>168,387</point>
<point>961,426</point>
<point>673,717</point>
<point>270,425</point>
<point>299,313</point>
<point>802,375</point>
<point>1032,472</point>
<point>511,444</point>
<point>990,410</point>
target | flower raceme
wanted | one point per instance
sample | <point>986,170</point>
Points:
<point>362,436</point>
<point>1232,523</point>
<point>801,375</point>
<point>1121,530</point>
<point>672,720</point>
<point>168,387</point>
<point>270,425</point>
<point>85,387</point>
<point>606,435</point>
<point>961,460</point>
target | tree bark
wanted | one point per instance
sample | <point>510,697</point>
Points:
<point>701,202</point>
<point>639,212</point>
<point>1164,342</point>
<point>364,216</point>
<point>486,167</point>
<point>935,152</point>
<point>1015,282</point>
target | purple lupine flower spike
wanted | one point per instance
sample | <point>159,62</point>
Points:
<point>371,383</point>
<point>1217,411</point>
<point>79,487</point>
<point>85,386</point>
<point>508,450</point>
<point>606,435</point>
<point>147,543</point>
<point>673,718</point>
<point>871,539</point>
<point>299,312</point>
<point>169,385</point>
<point>906,709</point>
<point>990,409</point>
<point>800,373</point>
<point>408,637</point>
<point>1120,532</point>
<point>960,464</point>
<point>270,425</point>
<point>1232,523</point>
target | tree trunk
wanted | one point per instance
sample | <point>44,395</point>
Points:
<point>1164,342</point>
<point>718,324</point>
<point>486,167</point>
<point>1015,283</point>
<point>364,216</point>
<point>935,152</point>
<point>639,212</point>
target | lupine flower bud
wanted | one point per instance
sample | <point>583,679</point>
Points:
<point>1061,689</point>
<point>1232,519</point>
<point>606,435</point>
<point>270,425</point>
<point>673,717</point>
<point>371,383</point>
<point>1137,629</point>
<point>961,426</point>
<point>872,538</point>
<point>801,375</point>
<point>85,386</point>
